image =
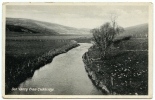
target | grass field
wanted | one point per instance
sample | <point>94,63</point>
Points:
<point>126,63</point>
<point>26,54</point>
<point>19,51</point>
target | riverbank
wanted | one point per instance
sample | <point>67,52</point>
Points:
<point>99,78</point>
<point>14,76</point>
<point>124,71</point>
<point>65,75</point>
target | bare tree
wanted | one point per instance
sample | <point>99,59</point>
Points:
<point>105,34</point>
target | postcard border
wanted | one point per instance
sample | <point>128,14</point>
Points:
<point>150,40</point>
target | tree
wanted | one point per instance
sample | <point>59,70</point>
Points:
<point>105,34</point>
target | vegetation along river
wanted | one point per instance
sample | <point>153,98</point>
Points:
<point>65,75</point>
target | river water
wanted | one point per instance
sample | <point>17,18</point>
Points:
<point>65,75</point>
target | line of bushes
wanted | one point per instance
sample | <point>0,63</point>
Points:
<point>14,76</point>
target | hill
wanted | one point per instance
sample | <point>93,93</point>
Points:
<point>138,31</point>
<point>34,27</point>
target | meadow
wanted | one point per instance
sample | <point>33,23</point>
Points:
<point>126,64</point>
<point>27,53</point>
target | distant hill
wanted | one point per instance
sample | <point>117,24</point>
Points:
<point>138,31</point>
<point>29,26</point>
<point>33,27</point>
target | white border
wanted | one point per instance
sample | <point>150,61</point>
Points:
<point>74,1</point>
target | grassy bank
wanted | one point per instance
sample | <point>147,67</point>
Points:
<point>125,69</point>
<point>23,57</point>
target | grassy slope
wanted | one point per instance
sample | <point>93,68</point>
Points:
<point>139,31</point>
<point>127,61</point>
<point>44,28</point>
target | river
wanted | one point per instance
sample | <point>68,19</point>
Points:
<point>65,75</point>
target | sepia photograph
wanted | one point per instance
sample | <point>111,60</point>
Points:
<point>77,50</point>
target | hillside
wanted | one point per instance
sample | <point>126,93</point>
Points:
<point>32,27</point>
<point>139,31</point>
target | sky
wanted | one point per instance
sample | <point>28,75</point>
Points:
<point>81,16</point>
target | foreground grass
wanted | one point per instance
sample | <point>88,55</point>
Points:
<point>125,69</point>
<point>23,57</point>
